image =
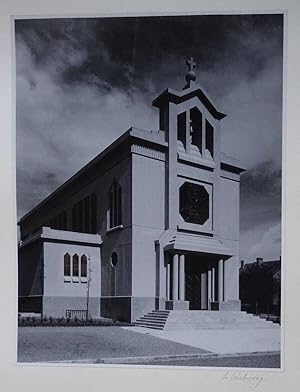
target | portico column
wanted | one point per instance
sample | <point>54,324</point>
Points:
<point>168,281</point>
<point>181,277</point>
<point>220,281</point>
<point>204,290</point>
<point>213,281</point>
<point>175,278</point>
<point>209,288</point>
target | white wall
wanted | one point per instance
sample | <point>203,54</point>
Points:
<point>148,219</point>
<point>54,284</point>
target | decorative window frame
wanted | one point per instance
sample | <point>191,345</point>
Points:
<point>68,278</point>
<point>83,279</point>
<point>188,151</point>
<point>115,213</point>
<point>76,279</point>
<point>207,227</point>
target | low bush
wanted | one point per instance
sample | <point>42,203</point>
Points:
<point>69,322</point>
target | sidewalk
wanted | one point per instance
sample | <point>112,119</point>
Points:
<point>221,341</point>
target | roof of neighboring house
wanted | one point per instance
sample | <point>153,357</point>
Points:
<point>274,266</point>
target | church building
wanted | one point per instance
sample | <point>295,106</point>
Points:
<point>151,223</point>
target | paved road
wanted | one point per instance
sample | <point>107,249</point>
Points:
<point>39,344</point>
<point>257,361</point>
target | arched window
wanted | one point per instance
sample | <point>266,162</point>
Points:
<point>83,268</point>
<point>115,205</point>
<point>75,265</point>
<point>114,259</point>
<point>196,128</point>
<point>181,127</point>
<point>67,265</point>
<point>209,132</point>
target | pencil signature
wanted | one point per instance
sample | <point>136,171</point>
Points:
<point>243,377</point>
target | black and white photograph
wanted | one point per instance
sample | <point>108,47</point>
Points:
<point>149,190</point>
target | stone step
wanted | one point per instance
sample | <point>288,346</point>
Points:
<point>237,323</point>
<point>162,312</point>
<point>215,325</point>
<point>149,318</point>
<point>220,321</point>
<point>219,327</point>
<point>149,325</point>
<point>216,318</point>
<point>155,321</point>
<point>197,320</point>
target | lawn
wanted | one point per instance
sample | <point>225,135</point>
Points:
<point>44,344</point>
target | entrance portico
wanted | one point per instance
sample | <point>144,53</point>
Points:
<point>195,281</point>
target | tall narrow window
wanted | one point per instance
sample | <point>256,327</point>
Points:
<point>83,270</point>
<point>196,128</point>
<point>67,265</point>
<point>74,217</point>
<point>209,137</point>
<point>64,221</point>
<point>93,213</point>
<point>86,209</point>
<point>115,208</point>
<point>75,265</point>
<point>80,216</point>
<point>181,127</point>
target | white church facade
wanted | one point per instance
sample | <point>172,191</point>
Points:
<point>151,223</point>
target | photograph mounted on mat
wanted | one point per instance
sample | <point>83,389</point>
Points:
<point>149,189</point>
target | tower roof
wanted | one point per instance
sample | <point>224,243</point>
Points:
<point>170,95</point>
<point>189,91</point>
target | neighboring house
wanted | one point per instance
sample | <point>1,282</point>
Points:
<point>155,216</point>
<point>260,286</point>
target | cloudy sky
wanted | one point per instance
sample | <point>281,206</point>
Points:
<point>83,82</point>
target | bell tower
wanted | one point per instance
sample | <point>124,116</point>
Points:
<point>191,123</point>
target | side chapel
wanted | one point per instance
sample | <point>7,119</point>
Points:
<point>152,222</point>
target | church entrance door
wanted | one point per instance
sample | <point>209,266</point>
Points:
<point>198,290</point>
<point>193,289</point>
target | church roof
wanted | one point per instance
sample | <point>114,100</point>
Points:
<point>154,137</point>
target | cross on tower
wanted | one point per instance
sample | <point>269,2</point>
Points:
<point>190,63</point>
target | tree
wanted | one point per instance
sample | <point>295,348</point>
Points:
<point>89,279</point>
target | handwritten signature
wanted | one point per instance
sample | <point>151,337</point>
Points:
<point>244,377</point>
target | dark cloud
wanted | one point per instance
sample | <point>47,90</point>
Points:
<point>260,196</point>
<point>261,212</point>
<point>152,48</point>
<point>73,75</point>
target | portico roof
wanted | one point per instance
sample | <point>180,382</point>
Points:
<point>195,243</point>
